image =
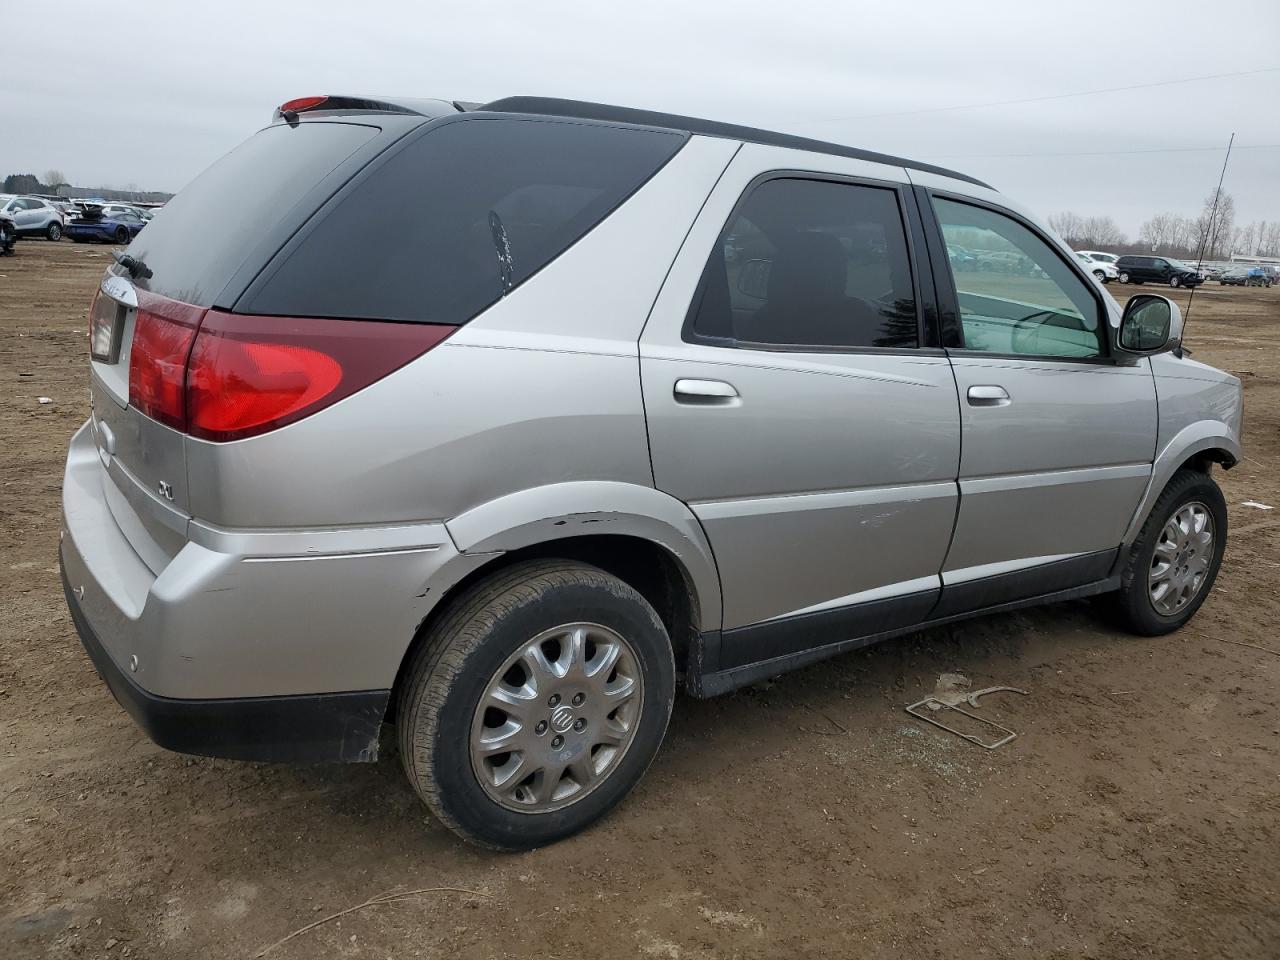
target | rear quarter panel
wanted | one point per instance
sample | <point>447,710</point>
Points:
<point>541,388</point>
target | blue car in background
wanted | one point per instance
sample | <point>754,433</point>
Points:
<point>119,226</point>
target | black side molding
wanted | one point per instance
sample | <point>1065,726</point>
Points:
<point>324,727</point>
<point>788,635</point>
<point>720,661</point>
<point>1034,581</point>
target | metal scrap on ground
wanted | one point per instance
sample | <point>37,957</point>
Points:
<point>947,696</point>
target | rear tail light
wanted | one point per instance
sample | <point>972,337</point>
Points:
<point>104,322</point>
<point>224,376</point>
<point>248,375</point>
<point>163,332</point>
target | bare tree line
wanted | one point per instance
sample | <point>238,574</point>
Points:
<point>1214,232</point>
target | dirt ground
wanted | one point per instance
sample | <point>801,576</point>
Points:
<point>1137,814</point>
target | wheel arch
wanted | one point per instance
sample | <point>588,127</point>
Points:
<point>646,538</point>
<point>1197,446</point>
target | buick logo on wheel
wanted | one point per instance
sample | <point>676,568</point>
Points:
<point>561,719</point>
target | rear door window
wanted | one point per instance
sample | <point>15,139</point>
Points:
<point>810,264</point>
<point>458,218</point>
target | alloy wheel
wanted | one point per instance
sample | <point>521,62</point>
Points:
<point>1182,559</point>
<point>556,719</point>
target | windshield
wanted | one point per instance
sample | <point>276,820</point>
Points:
<point>1177,264</point>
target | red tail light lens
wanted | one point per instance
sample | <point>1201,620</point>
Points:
<point>301,103</point>
<point>248,374</point>
<point>163,331</point>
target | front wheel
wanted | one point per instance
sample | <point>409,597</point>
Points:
<point>1175,559</point>
<point>54,232</point>
<point>122,235</point>
<point>1175,282</point>
<point>1100,276</point>
<point>536,704</point>
<point>1124,278</point>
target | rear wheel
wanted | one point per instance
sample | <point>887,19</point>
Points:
<point>1175,559</point>
<point>536,704</point>
<point>54,231</point>
<point>122,235</point>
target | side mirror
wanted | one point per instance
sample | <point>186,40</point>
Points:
<point>1150,324</point>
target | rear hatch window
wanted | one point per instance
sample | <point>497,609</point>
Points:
<point>205,232</point>
<point>456,218</point>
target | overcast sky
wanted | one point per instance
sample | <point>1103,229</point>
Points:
<point>169,86</point>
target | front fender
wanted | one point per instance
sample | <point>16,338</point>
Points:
<point>588,507</point>
<point>1198,437</point>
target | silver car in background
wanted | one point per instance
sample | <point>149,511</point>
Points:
<point>32,216</point>
<point>626,402</point>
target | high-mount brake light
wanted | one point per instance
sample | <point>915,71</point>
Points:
<point>301,104</point>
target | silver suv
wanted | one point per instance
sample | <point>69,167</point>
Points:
<point>33,216</point>
<point>501,422</point>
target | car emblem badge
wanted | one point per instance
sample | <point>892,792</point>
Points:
<point>562,719</point>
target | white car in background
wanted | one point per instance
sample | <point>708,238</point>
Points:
<point>32,216</point>
<point>1101,265</point>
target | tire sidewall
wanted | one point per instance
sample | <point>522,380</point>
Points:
<point>460,794</point>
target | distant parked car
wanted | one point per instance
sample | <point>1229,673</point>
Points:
<point>32,216</point>
<point>1245,277</point>
<point>110,209</point>
<point>1100,256</point>
<point>1104,271</point>
<point>94,225</point>
<point>1142,270</point>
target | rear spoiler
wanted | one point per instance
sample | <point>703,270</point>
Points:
<point>340,103</point>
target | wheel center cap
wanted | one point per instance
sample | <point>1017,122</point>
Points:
<point>562,719</point>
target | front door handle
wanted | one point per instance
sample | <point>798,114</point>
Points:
<point>706,392</point>
<point>988,395</point>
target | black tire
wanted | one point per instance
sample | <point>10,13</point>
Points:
<point>1100,276</point>
<point>462,652</point>
<point>122,235</point>
<point>1175,282</point>
<point>1133,600</point>
<point>1124,278</point>
<point>54,231</point>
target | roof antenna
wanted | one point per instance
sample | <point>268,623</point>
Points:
<point>1210,230</point>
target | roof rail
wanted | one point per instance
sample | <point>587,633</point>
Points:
<point>584,110</point>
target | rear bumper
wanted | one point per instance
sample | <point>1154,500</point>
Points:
<point>246,643</point>
<point>305,729</point>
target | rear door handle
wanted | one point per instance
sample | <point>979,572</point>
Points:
<point>988,395</point>
<point>707,392</point>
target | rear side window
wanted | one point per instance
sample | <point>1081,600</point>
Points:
<point>205,232</point>
<point>458,218</point>
<point>810,264</point>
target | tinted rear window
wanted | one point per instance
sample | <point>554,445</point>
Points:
<point>205,232</point>
<point>458,218</point>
